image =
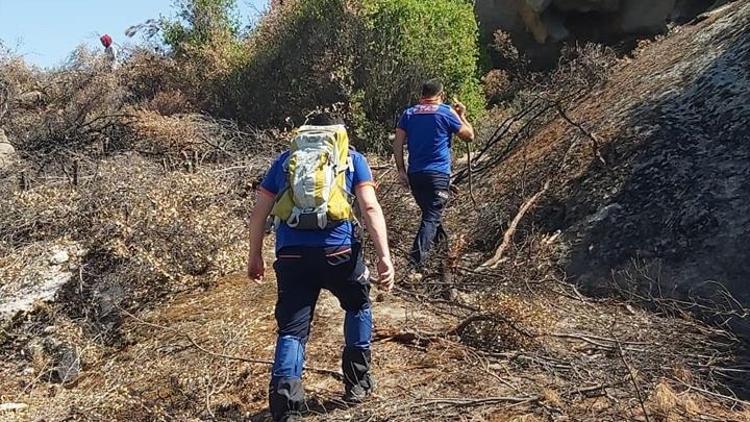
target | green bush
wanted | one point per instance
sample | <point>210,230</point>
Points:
<point>207,48</point>
<point>300,57</point>
<point>413,40</point>
<point>366,57</point>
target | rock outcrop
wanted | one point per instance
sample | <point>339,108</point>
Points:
<point>38,279</point>
<point>680,209</point>
<point>534,24</point>
<point>659,207</point>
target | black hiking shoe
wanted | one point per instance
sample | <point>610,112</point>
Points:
<point>356,394</point>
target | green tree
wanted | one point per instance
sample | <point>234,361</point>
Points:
<point>367,56</point>
<point>302,57</point>
<point>200,23</point>
<point>414,40</point>
<point>205,40</point>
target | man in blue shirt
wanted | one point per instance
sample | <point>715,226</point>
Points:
<point>427,129</point>
<point>308,261</point>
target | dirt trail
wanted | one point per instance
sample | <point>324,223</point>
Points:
<point>206,356</point>
<point>192,349</point>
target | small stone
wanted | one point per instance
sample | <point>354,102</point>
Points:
<point>59,257</point>
<point>13,407</point>
<point>7,151</point>
<point>68,364</point>
<point>415,277</point>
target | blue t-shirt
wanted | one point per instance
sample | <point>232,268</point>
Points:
<point>429,129</point>
<point>341,235</point>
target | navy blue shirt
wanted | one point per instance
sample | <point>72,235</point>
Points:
<point>429,129</point>
<point>342,234</point>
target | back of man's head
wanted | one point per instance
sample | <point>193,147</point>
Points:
<point>324,118</point>
<point>432,88</point>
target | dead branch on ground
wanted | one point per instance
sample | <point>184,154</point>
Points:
<point>508,237</point>
<point>195,344</point>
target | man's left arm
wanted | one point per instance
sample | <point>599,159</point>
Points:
<point>375,224</point>
<point>372,213</point>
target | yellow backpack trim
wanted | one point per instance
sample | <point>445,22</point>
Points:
<point>315,196</point>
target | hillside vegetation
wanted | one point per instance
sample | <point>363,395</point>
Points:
<point>597,260</point>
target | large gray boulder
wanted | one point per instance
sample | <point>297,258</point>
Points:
<point>645,16</point>
<point>534,24</point>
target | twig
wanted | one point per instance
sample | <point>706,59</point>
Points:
<point>713,394</point>
<point>471,174</point>
<point>487,317</point>
<point>595,144</point>
<point>638,393</point>
<point>508,237</point>
<point>480,401</point>
<point>335,374</point>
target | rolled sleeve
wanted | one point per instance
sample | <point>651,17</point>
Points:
<point>266,192</point>
<point>362,173</point>
<point>274,180</point>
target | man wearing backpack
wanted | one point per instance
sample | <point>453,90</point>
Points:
<point>308,190</point>
<point>427,130</point>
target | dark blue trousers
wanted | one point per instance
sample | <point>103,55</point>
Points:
<point>301,273</point>
<point>431,190</point>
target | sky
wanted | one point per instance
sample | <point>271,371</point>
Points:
<point>45,32</point>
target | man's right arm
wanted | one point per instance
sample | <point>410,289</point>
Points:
<point>263,205</point>
<point>466,131</point>
<point>398,153</point>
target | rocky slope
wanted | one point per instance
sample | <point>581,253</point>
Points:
<point>664,203</point>
<point>537,26</point>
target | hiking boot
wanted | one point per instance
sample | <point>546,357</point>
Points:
<point>356,394</point>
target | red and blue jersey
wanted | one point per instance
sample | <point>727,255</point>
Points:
<point>343,234</point>
<point>429,129</point>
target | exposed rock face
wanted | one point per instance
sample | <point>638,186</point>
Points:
<point>536,23</point>
<point>644,16</point>
<point>37,280</point>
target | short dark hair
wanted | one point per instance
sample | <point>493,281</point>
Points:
<point>324,118</point>
<point>432,88</point>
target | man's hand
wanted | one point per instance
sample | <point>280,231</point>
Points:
<point>256,268</point>
<point>467,130</point>
<point>460,108</point>
<point>386,274</point>
<point>403,178</point>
